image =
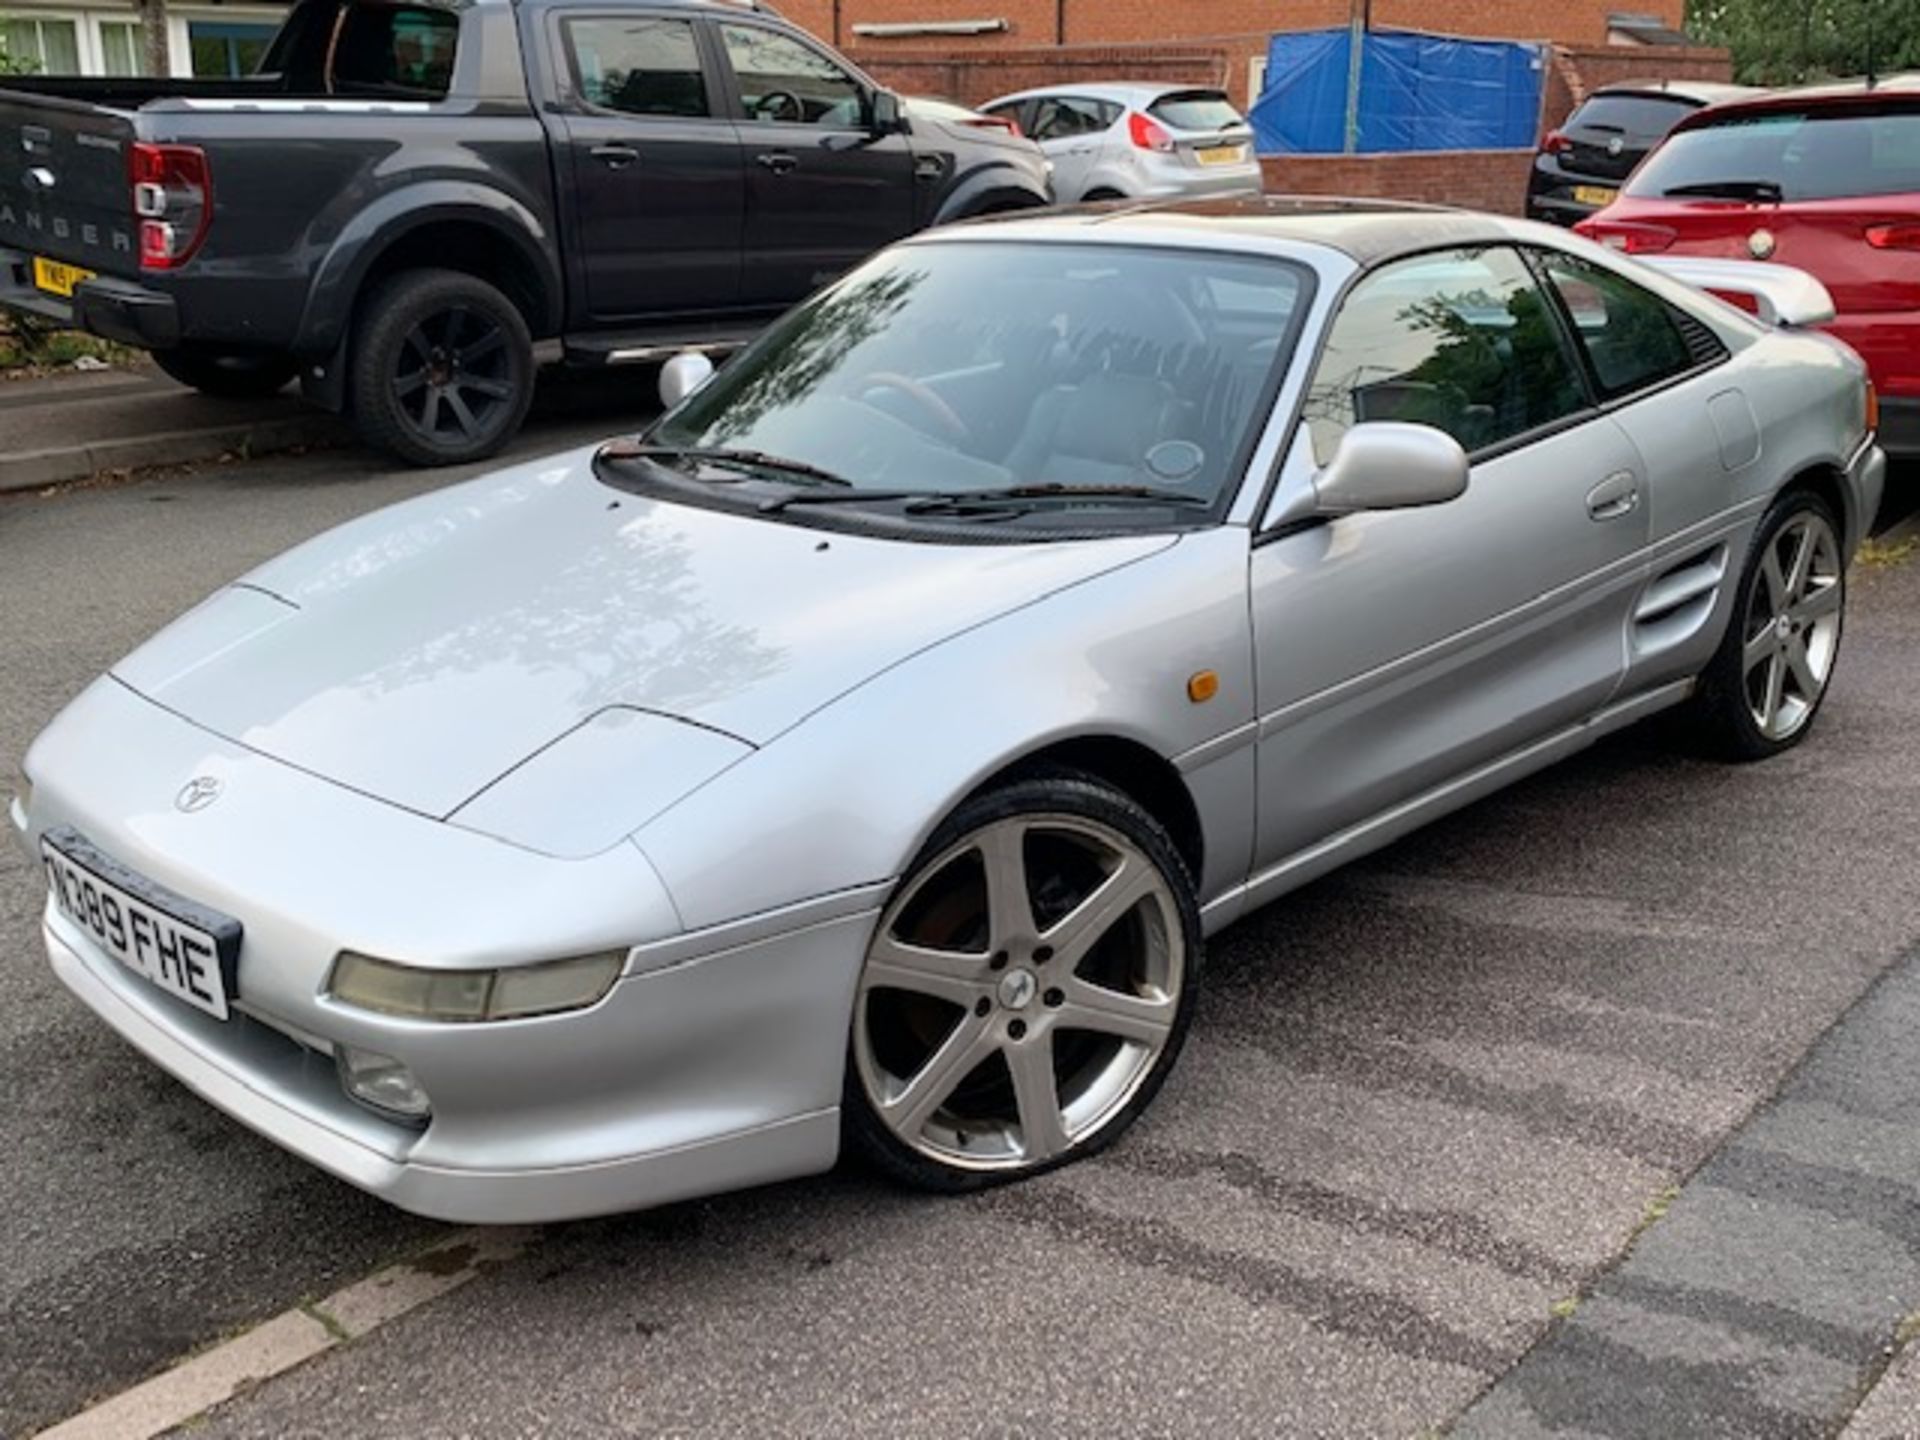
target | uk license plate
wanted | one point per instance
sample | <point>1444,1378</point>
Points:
<point>1595,194</point>
<point>1222,154</point>
<point>56,277</point>
<point>184,948</point>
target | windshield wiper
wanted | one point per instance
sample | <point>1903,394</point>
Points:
<point>994,498</point>
<point>1763,190</point>
<point>720,455</point>
<point>850,495</point>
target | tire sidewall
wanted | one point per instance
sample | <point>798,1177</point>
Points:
<point>392,310</point>
<point>1052,792</point>
<point>1732,728</point>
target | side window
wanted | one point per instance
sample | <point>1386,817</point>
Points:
<point>1061,117</point>
<point>1461,340</point>
<point>639,66</point>
<point>1631,335</point>
<point>783,80</point>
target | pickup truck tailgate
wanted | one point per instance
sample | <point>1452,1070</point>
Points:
<point>64,191</point>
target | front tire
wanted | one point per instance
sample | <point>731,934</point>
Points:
<point>228,374</point>
<point>442,368</point>
<point>1027,989</point>
<point>1761,691</point>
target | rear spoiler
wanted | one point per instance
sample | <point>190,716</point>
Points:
<point>1781,295</point>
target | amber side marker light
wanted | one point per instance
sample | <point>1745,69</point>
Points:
<point>1873,409</point>
<point>1202,686</point>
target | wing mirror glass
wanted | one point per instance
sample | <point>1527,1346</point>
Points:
<point>884,113</point>
<point>1389,465</point>
<point>682,375</point>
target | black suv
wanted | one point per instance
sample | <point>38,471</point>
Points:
<point>1581,165</point>
<point>411,194</point>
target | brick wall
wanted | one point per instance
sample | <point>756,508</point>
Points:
<point>1158,22</point>
<point>975,79</point>
<point>1493,180</point>
<point>1579,70</point>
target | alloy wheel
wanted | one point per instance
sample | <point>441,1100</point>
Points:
<point>453,374</point>
<point>1792,631</point>
<point>1018,992</point>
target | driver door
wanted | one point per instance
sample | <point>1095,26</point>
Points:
<point>1399,651</point>
<point>823,192</point>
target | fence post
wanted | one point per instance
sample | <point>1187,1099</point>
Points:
<point>1357,30</point>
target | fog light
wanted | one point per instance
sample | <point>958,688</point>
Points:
<point>382,1083</point>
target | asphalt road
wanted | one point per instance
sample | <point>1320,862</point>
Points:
<point>1425,1101</point>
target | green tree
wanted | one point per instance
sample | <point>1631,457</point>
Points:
<point>13,64</point>
<point>1783,42</point>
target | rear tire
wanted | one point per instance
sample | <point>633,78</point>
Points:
<point>230,375</point>
<point>1760,692</point>
<point>442,369</point>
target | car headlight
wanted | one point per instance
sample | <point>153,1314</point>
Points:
<point>509,993</point>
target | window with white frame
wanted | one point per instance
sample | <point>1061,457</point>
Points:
<point>122,51</point>
<point>49,45</point>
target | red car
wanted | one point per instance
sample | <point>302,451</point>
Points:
<point>1824,179</point>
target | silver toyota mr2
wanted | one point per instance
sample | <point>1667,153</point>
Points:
<point>860,756</point>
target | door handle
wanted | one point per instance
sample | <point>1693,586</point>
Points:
<point>778,161</point>
<point>1615,496</point>
<point>614,155</point>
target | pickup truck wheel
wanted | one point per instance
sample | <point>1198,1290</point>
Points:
<point>442,369</point>
<point>227,374</point>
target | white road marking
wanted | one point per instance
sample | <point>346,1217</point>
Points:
<point>291,1338</point>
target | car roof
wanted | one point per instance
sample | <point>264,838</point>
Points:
<point>1366,231</point>
<point>1900,91</point>
<point>1126,92</point>
<point>1698,92</point>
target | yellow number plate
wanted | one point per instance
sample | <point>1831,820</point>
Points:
<point>1595,194</point>
<point>1222,154</point>
<point>56,278</point>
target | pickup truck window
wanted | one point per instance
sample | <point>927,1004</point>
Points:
<point>638,66</point>
<point>381,49</point>
<point>785,81</point>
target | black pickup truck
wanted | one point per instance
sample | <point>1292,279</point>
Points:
<point>412,202</point>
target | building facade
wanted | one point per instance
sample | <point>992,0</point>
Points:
<point>102,37</point>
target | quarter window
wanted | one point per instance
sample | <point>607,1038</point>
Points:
<point>1462,340</point>
<point>783,80</point>
<point>1631,336</point>
<point>638,66</point>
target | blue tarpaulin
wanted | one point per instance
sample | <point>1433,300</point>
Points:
<point>1417,92</point>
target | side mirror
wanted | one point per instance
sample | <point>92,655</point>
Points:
<point>682,375</point>
<point>883,112</point>
<point>1387,465</point>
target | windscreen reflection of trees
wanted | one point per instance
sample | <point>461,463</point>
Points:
<point>804,353</point>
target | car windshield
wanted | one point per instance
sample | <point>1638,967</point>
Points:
<point>1808,155</point>
<point>973,366</point>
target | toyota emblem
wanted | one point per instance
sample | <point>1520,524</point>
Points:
<point>1616,145</point>
<point>197,794</point>
<point>1760,244</point>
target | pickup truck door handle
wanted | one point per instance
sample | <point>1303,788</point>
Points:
<point>778,161</point>
<point>1616,496</point>
<point>614,155</point>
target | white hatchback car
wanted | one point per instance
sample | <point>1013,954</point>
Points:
<point>1135,140</point>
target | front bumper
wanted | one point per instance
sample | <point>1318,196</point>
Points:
<point>716,1060</point>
